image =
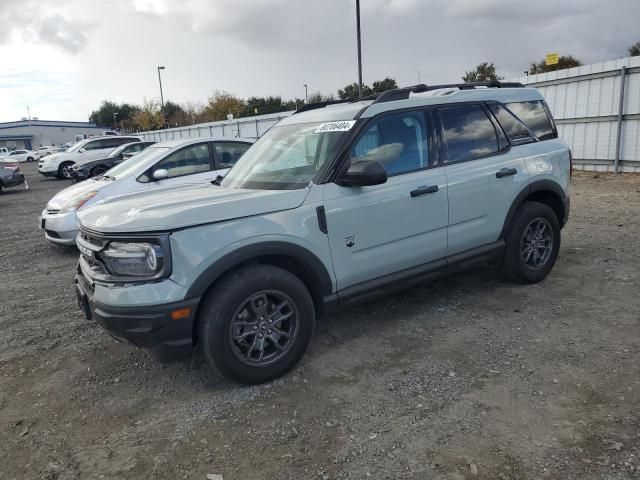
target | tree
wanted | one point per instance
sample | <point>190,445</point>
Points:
<point>221,104</point>
<point>350,92</point>
<point>317,97</point>
<point>483,72</point>
<point>388,83</point>
<point>634,50</point>
<point>104,117</point>
<point>149,116</point>
<point>565,61</point>
<point>263,105</point>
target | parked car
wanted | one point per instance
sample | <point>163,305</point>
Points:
<point>334,205</point>
<point>59,164</point>
<point>163,165</point>
<point>93,168</point>
<point>18,156</point>
<point>10,176</point>
<point>4,151</point>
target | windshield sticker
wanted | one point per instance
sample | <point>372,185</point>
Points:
<point>335,126</point>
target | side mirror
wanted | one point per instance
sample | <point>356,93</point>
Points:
<point>161,174</point>
<point>82,150</point>
<point>363,173</point>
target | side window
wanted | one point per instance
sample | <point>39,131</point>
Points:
<point>94,145</point>
<point>189,160</point>
<point>468,132</point>
<point>534,116</point>
<point>514,128</point>
<point>228,153</point>
<point>398,142</point>
<point>133,148</point>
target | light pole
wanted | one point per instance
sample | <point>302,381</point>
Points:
<point>306,93</point>
<point>115,120</point>
<point>164,119</point>
<point>359,49</point>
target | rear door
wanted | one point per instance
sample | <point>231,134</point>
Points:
<point>484,175</point>
<point>379,230</point>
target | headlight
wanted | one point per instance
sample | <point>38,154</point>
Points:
<point>133,259</point>
<point>76,202</point>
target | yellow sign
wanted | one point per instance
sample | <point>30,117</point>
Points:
<point>551,59</point>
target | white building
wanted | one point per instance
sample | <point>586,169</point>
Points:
<point>33,133</point>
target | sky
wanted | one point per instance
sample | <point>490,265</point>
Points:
<point>63,57</point>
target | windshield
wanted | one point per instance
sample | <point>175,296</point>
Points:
<point>284,158</point>
<point>131,165</point>
<point>76,146</point>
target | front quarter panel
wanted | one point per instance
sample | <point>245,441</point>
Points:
<point>196,250</point>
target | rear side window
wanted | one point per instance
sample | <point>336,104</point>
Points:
<point>228,153</point>
<point>534,116</point>
<point>398,142</point>
<point>514,128</point>
<point>468,133</point>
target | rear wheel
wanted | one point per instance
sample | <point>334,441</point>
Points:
<point>29,159</point>
<point>532,243</point>
<point>256,324</point>
<point>64,170</point>
<point>96,171</point>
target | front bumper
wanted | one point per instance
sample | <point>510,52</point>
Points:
<point>79,175</point>
<point>150,327</point>
<point>59,228</point>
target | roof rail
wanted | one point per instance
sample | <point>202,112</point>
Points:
<point>403,93</point>
<point>313,106</point>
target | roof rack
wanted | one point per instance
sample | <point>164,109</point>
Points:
<point>403,93</point>
<point>313,106</point>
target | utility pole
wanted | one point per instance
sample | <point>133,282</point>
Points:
<point>164,118</point>
<point>306,93</point>
<point>359,49</point>
<point>115,120</point>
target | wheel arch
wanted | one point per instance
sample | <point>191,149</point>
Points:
<point>291,257</point>
<point>543,191</point>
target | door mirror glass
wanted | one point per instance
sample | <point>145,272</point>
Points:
<point>161,174</point>
<point>363,173</point>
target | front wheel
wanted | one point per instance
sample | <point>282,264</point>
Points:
<point>532,243</point>
<point>97,171</point>
<point>64,170</point>
<point>29,159</point>
<point>256,324</point>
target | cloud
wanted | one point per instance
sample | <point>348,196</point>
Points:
<point>31,22</point>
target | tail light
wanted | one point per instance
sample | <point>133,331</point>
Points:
<point>13,166</point>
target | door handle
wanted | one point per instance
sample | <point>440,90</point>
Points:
<point>505,172</point>
<point>424,190</point>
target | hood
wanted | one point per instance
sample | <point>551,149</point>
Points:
<point>73,193</point>
<point>184,206</point>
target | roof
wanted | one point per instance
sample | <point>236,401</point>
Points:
<point>180,142</point>
<point>48,123</point>
<point>369,108</point>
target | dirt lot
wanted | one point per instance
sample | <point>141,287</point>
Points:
<point>466,378</point>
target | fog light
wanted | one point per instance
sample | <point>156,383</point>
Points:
<point>181,313</point>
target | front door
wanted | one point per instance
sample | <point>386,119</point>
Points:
<point>379,230</point>
<point>191,164</point>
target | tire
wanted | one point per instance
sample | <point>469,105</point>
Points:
<point>97,170</point>
<point>225,312</point>
<point>527,258</point>
<point>29,159</point>
<point>63,171</point>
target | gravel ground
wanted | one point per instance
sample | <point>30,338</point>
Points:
<point>466,378</point>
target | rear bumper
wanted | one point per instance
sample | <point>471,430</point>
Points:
<point>150,327</point>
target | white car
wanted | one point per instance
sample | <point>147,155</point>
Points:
<point>18,156</point>
<point>162,165</point>
<point>59,164</point>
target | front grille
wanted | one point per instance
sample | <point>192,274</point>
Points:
<point>52,234</point>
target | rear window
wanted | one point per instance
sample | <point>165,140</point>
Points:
<point>534,116</point>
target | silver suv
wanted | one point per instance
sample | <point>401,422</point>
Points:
<point>337,204</point>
